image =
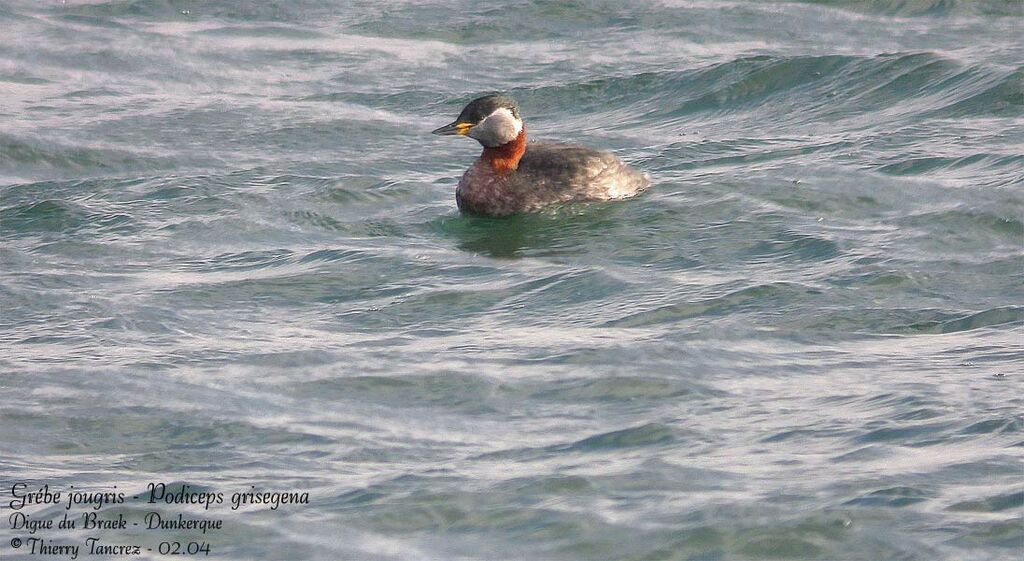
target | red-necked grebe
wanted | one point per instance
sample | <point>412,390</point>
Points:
<point>513,176</point>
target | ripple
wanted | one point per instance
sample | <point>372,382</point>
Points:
<point>979,320</point>
<point>616,388</point>
<point>49,155</point>
<point>732,302</point>
<point>449,390</point>
<point>893,497</point>
<point>924,7</point>
<point>995,503</point>
<point>45,216</point>
<point>996,426</point>
<point>645,435</point>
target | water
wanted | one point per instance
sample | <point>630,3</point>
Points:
<point>231,256</point>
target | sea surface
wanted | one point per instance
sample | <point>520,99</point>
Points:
<point>231,260</point>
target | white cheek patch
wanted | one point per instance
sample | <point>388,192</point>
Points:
<point>498,128</point>
<point>507,119</point>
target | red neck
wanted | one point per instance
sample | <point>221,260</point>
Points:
<point>505,158</point>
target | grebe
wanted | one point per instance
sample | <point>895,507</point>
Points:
<point>511,176</point>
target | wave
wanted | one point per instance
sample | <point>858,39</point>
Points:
<point>803,89</point>
<point>926,7</point>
